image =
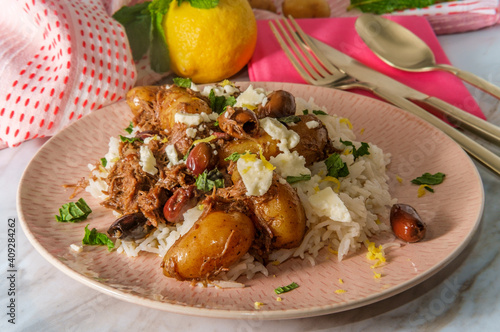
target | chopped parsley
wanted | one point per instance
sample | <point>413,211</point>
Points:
<point>336,167</point>
<point>182,82</point>
<point>233,157</point>
<point>427,179</point>
<point>289,119</point>
<point>94,238</point>
<point>206,181</point>
<point>361,151</point>
<point>218,103</point>
<point>302,177</point>
<point>74,211</point>
<point>287,288</point>
<point>130,128</point>
<point>104,162</point>
<point>130,139</point>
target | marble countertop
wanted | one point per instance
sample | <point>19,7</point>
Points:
<point>462,296</point>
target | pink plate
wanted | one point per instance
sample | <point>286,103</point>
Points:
<point>452,215</point>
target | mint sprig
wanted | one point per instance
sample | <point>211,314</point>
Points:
<point>389,6</point>
<point>74,211</point>
<point>144,28</point>
<point>95,238</point>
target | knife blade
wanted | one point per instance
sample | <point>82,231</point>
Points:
<point>368,75</point>
<point>397,93</point>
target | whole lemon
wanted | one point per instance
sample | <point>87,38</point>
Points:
<point>209,45</point>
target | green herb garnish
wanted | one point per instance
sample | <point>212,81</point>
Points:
<point>183,82</point>
<point>361,151</point>
<point>289,119</point>
<point>74,211</point>
<point>389,6</point>
<point>144,28</point>
<point>287,288</point>
<point>305,112</point>
<point>319,112</point>
<point>104,162</point>
<point>218,104</point>
<point>233,157</point>
<point>429,179</point>
<point>94,238</point>
<point>336,167</point>
<point>130,139</point>
<point>130,128</point>
<point>206,181</point>
<point>302,177</point>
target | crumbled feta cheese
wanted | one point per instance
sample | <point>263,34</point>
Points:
<point>327,203</point>
<point>312,124</point>
<point>172,155</point>
<point>255,175</point>
<point>288,138</point>
<point>191,132</point>
<point>290,164</point>
<point>147,160</point>
<point>76,247</point>
<point>251,97</point>
<point>113,154</point>
<point>194,119</point>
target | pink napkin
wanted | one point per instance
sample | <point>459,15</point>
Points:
<point>269,62</point>
<point>59,60</point>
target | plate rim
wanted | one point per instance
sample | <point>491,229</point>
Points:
<point>249,314</point>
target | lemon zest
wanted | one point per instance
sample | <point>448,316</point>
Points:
<point>257,305</point>
<point>205,140</point>
<point>330,249</point>
<point>362,131</point>
<point>275,263</point>
<point>316,189</point>
<point>249,157</point>
<point>341,281</point>
<point>346,122</point>
<point>250,107</point>
<point>266,163</point>
<point>334,180</point>
<point>400,179</point>
<point>421,190</point>
<point>226,82</point>
<point>278,299</point>
<point>340,291</point>
<point>377,275</point>
<point>375,253</point>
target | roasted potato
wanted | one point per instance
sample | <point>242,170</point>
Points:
<point>253,145</point>
<point>306,8</point>
<point>217,240</point>
<point>282,214</point>
<point>314,141</point>
<point>154,107</point>
<point>263,4</point>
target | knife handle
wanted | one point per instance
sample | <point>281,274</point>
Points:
<point>476,150</point>
<point>466,120</point>
<point>478,82</point>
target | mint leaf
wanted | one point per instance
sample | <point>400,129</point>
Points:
<point>104,162</point>
<point>159,58</point>
<point>319,112</point>
<point>202,4</point>
<point>289,119</point>
<point>388,6</point>
<point>130,128</point>
<point>207,181</point>
<point>302,177</point>
<point>305,112</point>
<point>137,23</point>
<point>130,139</point>
<point>430,179</point>
<point>361,151</point>
<point>336,167</point>
<point>183,82</point>
<point>233,157</point>
<point>94,238</point>
<point>74,211</point>
<point>218,103</point>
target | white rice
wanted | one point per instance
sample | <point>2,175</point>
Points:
<point>364,192</point>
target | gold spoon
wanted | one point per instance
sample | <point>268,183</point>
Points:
<point>400,48</point>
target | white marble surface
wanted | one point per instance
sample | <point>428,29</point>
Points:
<point>463,296</point>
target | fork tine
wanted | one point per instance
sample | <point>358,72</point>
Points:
<point>297,59</point>
<point>305,38</point>
<point>317,66</point>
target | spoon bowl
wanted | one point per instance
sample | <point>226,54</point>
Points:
<point>402,49</point>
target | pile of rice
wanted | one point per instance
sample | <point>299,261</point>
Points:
<point>364,192</point>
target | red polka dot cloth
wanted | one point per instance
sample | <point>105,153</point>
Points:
<point>59,60</point>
